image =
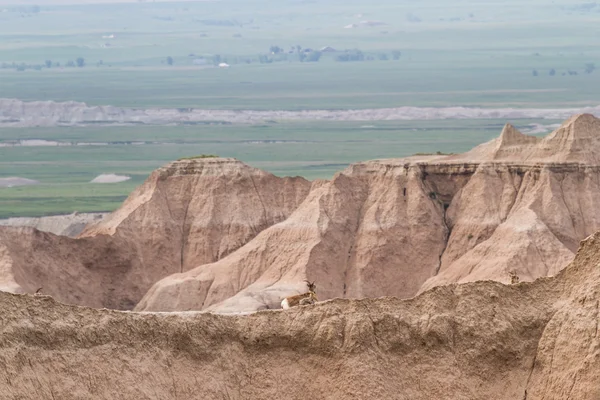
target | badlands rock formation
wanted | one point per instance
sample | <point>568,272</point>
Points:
<point>110,178</point>
<point>17,181</point>
<point>15,112</point>
<point>187,213</point>
<point>64,225</point>
<point>481,340</point>
<point>230,238</point>
<point>397,227</point>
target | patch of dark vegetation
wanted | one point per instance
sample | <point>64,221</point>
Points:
<point>198,156</point>
<point>321,166</point>
<point>437,153</point>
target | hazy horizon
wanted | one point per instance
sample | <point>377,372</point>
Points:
<point>297,87</point>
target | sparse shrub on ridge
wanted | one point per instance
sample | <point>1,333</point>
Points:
<point>198,156</point>
<point>437,153</point>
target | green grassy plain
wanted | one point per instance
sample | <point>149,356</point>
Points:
<point>459,53</point>
<point>310,149</point>
<point>297,86</point>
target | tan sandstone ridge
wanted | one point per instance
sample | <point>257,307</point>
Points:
<point>482,340</point>
<point>215,234</point>
<point>187,213</point>
<point>398,227</point>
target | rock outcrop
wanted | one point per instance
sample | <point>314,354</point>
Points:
<point>196,211</point>
<point>64,225</point>
<point>15,112</point>
<point>577,140</point>
<point>216,234</point>
<point>14,181</point>
<point>482,340</point>
<point>187,213</point>
<point>396,227</point>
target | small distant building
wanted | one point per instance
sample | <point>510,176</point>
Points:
<point>223,65</point>
<point>327,49</point>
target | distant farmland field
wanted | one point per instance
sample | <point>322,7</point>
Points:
<point>313,150</point>
<point>386,54</point>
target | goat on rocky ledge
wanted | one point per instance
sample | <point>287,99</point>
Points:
<point>309,297</point>
<point>514,277</point>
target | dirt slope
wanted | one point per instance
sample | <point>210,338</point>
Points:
<point>358,235</point>
<point>187,213</point>
<point>397,227</point>
<point>535,211</point>
<point>475,341</point>
<point>207,208</point>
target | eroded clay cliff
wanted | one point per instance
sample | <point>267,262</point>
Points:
<point>187,213</point>
<point>482,340</point>
<point>396,227</point>
<point>217,234</point>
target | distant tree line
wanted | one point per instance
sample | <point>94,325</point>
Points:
<point>350,55</point>
<point>278,53</point>
<point>340,56</point>
<point>588,69</point>
<point>358,55</point>
<point>79,62</point>
<point>275,54</point>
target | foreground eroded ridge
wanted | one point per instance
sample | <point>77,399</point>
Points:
<point>480,340</point>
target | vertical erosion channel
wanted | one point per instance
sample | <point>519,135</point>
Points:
<point>446,235</point>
